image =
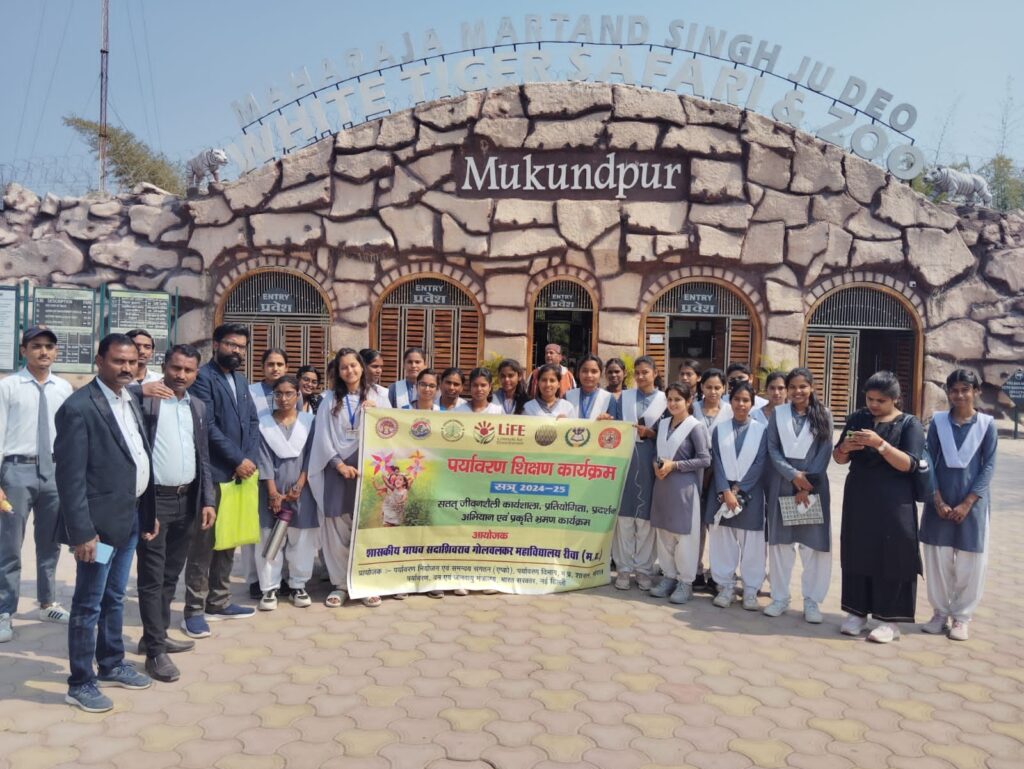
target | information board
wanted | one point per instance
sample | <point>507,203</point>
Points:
<point>71,314</point>
<point>150,310</point>
<point>1014,387</point>
<point>8,328</point>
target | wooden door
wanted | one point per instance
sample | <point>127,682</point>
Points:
<point>656,341</point>
<point>740,341</point>
<point>832,359</point>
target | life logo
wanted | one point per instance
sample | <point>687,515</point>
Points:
<point>420,429</point>
<point>484,432</point>
<point>577,437</point>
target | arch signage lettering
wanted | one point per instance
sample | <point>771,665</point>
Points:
<point>687,58</point>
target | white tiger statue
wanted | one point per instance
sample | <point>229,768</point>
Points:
<point>958,184</point>
<point>206,163</point>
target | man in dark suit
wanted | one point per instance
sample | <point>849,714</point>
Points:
<point>181,498</point>
<point>102,470</point>
<point>233,427</point>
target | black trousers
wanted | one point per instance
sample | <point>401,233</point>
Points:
<point>887,600</point>
<point>160,563</point>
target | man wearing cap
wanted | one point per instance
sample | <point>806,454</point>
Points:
<point>29,399</point>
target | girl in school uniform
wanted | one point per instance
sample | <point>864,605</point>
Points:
<point>426,392</point>
<point>511,395</point>
<point>799,450</point>
<point>615,377</point>
<point>275,365</point>
<point>954,527</point>
<point>712,408</point>
<point>589,400</point>
<point>309,389</point>
<point>549,401</point>
<point>739,451</point>
<point>451,389</point>
<point>286,438</point>
<point>689,374</point>
<point>776,392</point>
<point>633,546</point>
<point>403,392</point>
<point>480,394</point>
<point>334,465</point>
<point>374,363</point>
<point>683,454</point>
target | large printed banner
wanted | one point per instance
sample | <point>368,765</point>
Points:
<point>485,502</point>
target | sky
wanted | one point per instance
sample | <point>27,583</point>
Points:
<point>176,67</point>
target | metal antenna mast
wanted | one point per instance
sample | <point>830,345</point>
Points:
<point>104,53</point>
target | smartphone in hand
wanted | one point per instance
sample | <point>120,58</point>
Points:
<point>104,552</point>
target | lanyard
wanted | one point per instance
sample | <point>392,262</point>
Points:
<point>586,403</point>
<point>351,414</point>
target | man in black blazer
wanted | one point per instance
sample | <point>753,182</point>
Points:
<point>181,498</point>
<point>233,427</point>
<point>102,471</point>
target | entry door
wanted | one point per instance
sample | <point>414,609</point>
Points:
<point>451,336</point>
<point>305,343</point>
<point>832,359</point>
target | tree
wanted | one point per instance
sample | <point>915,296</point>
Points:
<point>131,160</point>
<point>1005,182</point>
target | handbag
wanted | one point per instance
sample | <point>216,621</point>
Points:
<point>238,520</point>
<point>797,515</point>
<point>924,480</point>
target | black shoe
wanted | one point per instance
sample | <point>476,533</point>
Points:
<point>699,585</point>
<point>161,668</point>
<point>171,646</point>
<point>254,591</point>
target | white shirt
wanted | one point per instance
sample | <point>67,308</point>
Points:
<point>174,445</point>
<point>492,408</point>
<point>19,411</point>
<point>130,430</point>
<point>151,376</point>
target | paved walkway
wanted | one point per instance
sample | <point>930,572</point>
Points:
<point>591,679</point>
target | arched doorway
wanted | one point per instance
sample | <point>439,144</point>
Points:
<point>432,312</point>
<point>281,309</point>
<point>562,313</point>
<point>702,319</point>
<point>854,331</point>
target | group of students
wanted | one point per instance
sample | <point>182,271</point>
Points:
<point>716,468</point>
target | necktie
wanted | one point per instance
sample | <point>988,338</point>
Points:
<point>44,451</point>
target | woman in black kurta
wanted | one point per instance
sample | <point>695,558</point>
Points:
<point>879,548</point>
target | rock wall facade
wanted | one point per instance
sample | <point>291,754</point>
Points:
<point>771,210</point>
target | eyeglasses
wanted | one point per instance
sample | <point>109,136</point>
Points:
<point>233,346</point>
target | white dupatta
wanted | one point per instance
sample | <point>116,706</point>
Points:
<point>598,404</point>
<point>669,442</point>
<point>263,400</point>
<point>724,413</point>
<point>293,445</point>
<point>737,465</point>
<point>654,410</point>
<point>793,446</point>
<point>331,438</point>
<point>959,458</point>
<point>403,395</point>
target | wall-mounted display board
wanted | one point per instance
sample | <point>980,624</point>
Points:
<point>71,314</point>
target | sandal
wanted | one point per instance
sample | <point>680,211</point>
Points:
<point>400,596</point>
<point>336,599</point>
<point>460,591</point>
<point>373,601</point>
<point>435,593</point>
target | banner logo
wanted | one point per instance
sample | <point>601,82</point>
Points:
<point>387,427</point>
<point>577,437</point>
<point>545,436</point>
<point>484,432</point>
<point>420,429</point>
<point>452,430</point>
<point>609,438</point>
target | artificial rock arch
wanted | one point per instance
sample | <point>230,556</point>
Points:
<point>771,209</point>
